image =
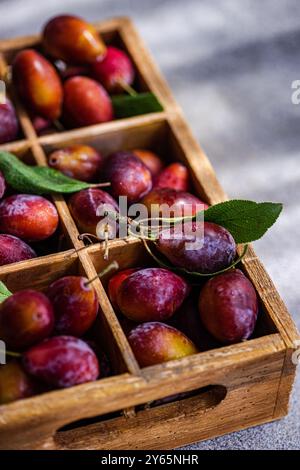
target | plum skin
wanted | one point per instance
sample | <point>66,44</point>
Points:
<point>26,317</point>
<point>13,250</point>
<point>86,103</point>
<point>181,202</point>
<point>9,124</point>
<point>151,294</point>
<point>228,307</point>
<point>38,84</point>
<point>128,176</point>
<point>152,161</point>
<point>154,342</point>
<point>216,251</point>
<point>175,176</point>
<point>81,162</point>
<point>75,305</point>
<point>83,207</point>
<point>15,383</point>
<point>62,361</point>
<point>29,217</point>
<point>70,38</point>
<point>115,283</point>
<point>113,70</point>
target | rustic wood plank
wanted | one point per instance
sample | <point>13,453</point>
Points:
<point>175,424</point>
<point>107,128</point>
<point>257,361</point>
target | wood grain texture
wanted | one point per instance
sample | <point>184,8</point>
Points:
<point>257,375</point>
<point>256,362</point>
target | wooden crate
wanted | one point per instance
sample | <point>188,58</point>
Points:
<point>233,387</point>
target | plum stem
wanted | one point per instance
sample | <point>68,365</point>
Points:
<point>11,353</point>
<point>142,236</point>
<point>100,185</point>
<point>88,237</point>
<point>114,266</point>
<point>192,273</point>
<point>130,223</point>
<point>58,125</point>
<point>131,91</point>
<point>106,238</point>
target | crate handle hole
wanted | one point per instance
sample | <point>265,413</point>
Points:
<point>209,396</point>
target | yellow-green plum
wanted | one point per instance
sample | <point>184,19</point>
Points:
<point>15,383</point>
<point>154,342</point>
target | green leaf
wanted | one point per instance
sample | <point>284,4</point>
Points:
<point>58,182</point>
<point>36,179</point>
<point>247,221</point>
<point>192,274</point>
<point>4,292</point>
<point>134,105</point>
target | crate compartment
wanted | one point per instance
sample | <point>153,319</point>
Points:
<point>158,135</point>
<point>60,241</point>
<point>39,275</point>
<point>113,35</point>
<point>132,254</point>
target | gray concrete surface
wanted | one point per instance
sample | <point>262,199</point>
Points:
<point>230,64</point>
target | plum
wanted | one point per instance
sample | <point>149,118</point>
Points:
<point>62,361</point>
<point>128,176</point>
<point>115,282</point>
<point>67,71</point>
<point>26,317</point>
<point>187,320</point>
<point>41,125</point>
<point>29,217</point>
<point>181,202</point>
<point>152,161</point>
<point>81,162</point>
<point>9,124</point>
<point>75,305</point>
<point>154,342</point>
<point>228,307</point>
<point>203,247</point>
<point>38,84</point>
<point>115,70</point>
<point>15,383</point>
<point>72,40</point>
<point>84,206</point>
<point>151,294</point>
<point>13,250</point>
<point>175,176</point>
<point>85,103</point>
